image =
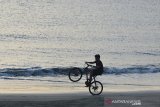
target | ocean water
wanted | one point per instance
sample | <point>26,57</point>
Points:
<point>40,40</point>
<point>46,35</point>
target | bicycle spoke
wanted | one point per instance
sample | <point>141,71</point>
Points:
<point>96,88</point>
<point>75,74</point>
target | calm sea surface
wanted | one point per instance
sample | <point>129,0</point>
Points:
<point>49,33</point>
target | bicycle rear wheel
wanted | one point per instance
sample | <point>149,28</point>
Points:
<point>96,88</point>
<point>75,74</point>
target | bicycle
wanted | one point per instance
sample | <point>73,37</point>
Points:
<point>75,75</point>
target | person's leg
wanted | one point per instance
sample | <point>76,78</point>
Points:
<point>91,75</point>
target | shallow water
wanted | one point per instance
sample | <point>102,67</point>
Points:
<point>62,84</point>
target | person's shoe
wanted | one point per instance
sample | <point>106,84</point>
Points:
<point>87,84</point>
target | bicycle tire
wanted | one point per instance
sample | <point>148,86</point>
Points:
<point>75,72</point>
<point>92,85</point>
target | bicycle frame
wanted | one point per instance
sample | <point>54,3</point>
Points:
<point>86,70</point>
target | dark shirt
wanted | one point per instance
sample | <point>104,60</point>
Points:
<point>99,65</point>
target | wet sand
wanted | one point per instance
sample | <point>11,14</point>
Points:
<point>81,99</point>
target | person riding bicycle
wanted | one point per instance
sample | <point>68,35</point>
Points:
<point>96,70</point>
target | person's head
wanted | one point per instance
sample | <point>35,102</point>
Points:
<point>97,57</point>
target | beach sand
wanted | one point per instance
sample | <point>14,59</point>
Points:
<point>81,99</point>
<point>26,93</point>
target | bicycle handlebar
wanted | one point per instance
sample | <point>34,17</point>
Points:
<point>89,65</point>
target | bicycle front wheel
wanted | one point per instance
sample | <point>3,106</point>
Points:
<point>75,74</point>
<point>96,88</point>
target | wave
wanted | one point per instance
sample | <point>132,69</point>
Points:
<point>133,69</point>
<point>149,53</point>
<point>38,71</point>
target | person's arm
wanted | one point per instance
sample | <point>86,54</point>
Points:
<point>91,62</point>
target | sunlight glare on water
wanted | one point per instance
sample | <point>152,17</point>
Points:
<point>49,33</point>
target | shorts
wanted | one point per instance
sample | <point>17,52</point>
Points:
<point>97,72</point>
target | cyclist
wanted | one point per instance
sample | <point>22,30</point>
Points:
<point>96,70</point>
